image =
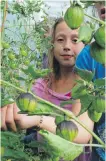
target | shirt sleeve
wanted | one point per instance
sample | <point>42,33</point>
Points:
<point>84,60</point>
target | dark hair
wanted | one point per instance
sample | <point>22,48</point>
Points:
<point>52,62</point>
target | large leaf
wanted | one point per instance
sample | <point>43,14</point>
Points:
<point>15,154</point>
<point>60,147</point>
<point>99,82</point>
<point>86,101</point>
<point>35,73</point>
<point>9,139</point>
<point>85,74</point>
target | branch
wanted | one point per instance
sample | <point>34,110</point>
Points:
<point>100,21</point>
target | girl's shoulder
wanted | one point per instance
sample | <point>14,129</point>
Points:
<point>39,83</point>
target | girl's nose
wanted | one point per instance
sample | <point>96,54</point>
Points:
<point>67,45</point>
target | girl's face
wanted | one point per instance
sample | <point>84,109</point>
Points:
<point>65,46</point>
<point>101,8</point>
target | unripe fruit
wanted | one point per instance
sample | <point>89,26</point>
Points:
<point>23,53</point>
<point>26,102</point>
<point>100,36</point>
<point>13,65</point>
<point>5,45</point>
<point>67,130</point>
<point>11,55</point>
<point>74,16</point>
<point>26,62</point>
<point>97,53</point>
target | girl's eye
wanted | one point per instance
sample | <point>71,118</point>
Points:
<point>60,40</point>
<point>74,40</point>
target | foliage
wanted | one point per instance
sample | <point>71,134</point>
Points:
<point>23,44</point>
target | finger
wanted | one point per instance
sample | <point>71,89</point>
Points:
<point>3,116</point>
<point>10,118</point>
<point>19,118</point>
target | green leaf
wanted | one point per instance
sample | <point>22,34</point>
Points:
<point>86,101</point>
<point>13,154</point>
<point>85,74</point>
<point>99,82</point>
<point>60,147</point>
<point>20,78</point>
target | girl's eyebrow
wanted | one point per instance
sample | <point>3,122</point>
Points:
<point>63,35</point>
<point>74,35</point>
<point>60,34</point>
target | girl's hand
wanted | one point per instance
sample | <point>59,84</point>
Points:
<point>12,120</point>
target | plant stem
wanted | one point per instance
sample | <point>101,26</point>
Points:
<point>66,112</point>
<point>100,21</point>
<point>91,132</point>
<point>9,84</point>
<point>91,145</point>
<point>4,15</point>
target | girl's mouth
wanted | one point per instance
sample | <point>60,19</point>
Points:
<point>67,56</point>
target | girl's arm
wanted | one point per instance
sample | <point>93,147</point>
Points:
<point>83,136</point>
<point>12,120</point>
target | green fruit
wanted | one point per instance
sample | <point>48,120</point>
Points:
<point>67,130</point>
<point>13,65</point>
<point>94,116</point>
<point>5,45</point>
<point>97,53</point>
<point>11,55</point>
<point>23,53</point>
<point>26,62</point>
<point>74,16</point>
<point>100,36</point>
<point>99,104</point>
<point>26,102</point>
<point>85,34</point>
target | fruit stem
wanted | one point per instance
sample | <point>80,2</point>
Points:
<point>68,113</point>
<point>100,21</point>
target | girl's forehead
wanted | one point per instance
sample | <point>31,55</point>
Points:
<point>62,28</point>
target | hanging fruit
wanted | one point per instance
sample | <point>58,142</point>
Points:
<point>67,130</point>
<point>74,16</point>
<point>97,53</point>
<point>26,102</point>
<point>100,36</point>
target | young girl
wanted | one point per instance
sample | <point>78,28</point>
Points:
<point>56,87</point>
